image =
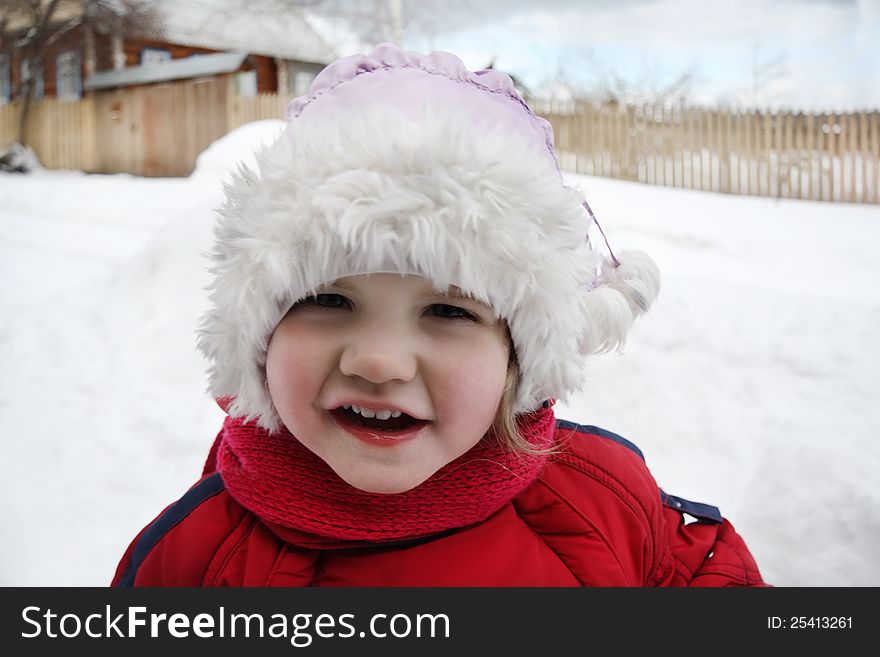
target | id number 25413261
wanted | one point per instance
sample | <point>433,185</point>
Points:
<point>809,623</point>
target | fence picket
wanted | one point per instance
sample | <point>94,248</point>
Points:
<point>851,151</point>
<point>875,154</point>
<point>863,156</point>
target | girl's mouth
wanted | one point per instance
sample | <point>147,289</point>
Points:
<point>388,431</point>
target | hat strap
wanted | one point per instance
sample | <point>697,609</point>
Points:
<point>596,221</point>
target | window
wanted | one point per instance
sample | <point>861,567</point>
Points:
<point>150,56</point>
<point>301,82</point>
<point>246,83</point>
<point>36,80</point>
<point>69,76</point>
<point>5,82</point>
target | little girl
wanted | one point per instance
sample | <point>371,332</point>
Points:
<point>401,293</point>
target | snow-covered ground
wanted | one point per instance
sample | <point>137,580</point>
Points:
<point>751,385</point>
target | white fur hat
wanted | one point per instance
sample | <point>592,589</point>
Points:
<point>397,161</point>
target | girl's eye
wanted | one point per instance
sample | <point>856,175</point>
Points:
<point>328,301</point>
<point>450,312</point>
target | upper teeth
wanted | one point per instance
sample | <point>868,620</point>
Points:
<point>366,412</point>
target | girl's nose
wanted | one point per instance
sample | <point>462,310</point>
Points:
<point>379,356</point>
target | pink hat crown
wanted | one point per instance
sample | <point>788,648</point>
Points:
<point>411,81</point>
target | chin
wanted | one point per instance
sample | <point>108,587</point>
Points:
<point>383,486</point>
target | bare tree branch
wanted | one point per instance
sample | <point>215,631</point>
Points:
<point>587,77</point>
<point>764,73</point>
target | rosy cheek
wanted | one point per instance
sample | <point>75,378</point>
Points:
<point>278,375</point>
<point>473,383</point>
<point>290,366</point>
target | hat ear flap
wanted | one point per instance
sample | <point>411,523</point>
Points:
<point>621,293</point>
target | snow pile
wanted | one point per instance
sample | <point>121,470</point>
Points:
<point>221,157</point>
<point>19,159</point>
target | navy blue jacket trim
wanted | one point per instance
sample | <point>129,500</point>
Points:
<point>587,428</point>
<point>696,509</point>
<point>175,514</point>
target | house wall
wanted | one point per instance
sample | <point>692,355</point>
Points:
<point>6,56</point>
<point>294,69</point>
<point>267,73</point>
<point>134,47</point>
<point>72,40</point>
<point>265,67</point>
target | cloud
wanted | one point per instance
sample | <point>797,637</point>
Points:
<point>827,47</point>
<point>686,24</point>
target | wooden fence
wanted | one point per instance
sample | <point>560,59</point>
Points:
<point>159,130</point>
<point>156,130</point>
<point>243,109</point>
<point>823,157</point>
<point>61,133</point>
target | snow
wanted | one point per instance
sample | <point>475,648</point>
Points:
<point>750,386</point>
<point>18,158</point>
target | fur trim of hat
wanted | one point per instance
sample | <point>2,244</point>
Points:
<point>425,192</point>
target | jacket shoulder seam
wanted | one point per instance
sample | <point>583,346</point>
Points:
<point>591,430</point>
<point>204,490</point>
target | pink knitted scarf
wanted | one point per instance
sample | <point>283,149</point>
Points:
<point>305,502</point>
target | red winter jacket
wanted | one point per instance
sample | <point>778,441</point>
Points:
<point>594,517</point>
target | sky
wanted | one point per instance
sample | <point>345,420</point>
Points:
<point>751,385</point>
<point>815,55</point>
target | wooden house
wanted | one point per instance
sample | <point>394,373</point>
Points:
<point>260,53</point>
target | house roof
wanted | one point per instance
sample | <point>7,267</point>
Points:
<point>176,69</point>
<point>231,26</point>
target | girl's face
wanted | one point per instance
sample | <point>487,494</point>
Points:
<point>380,343</point>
